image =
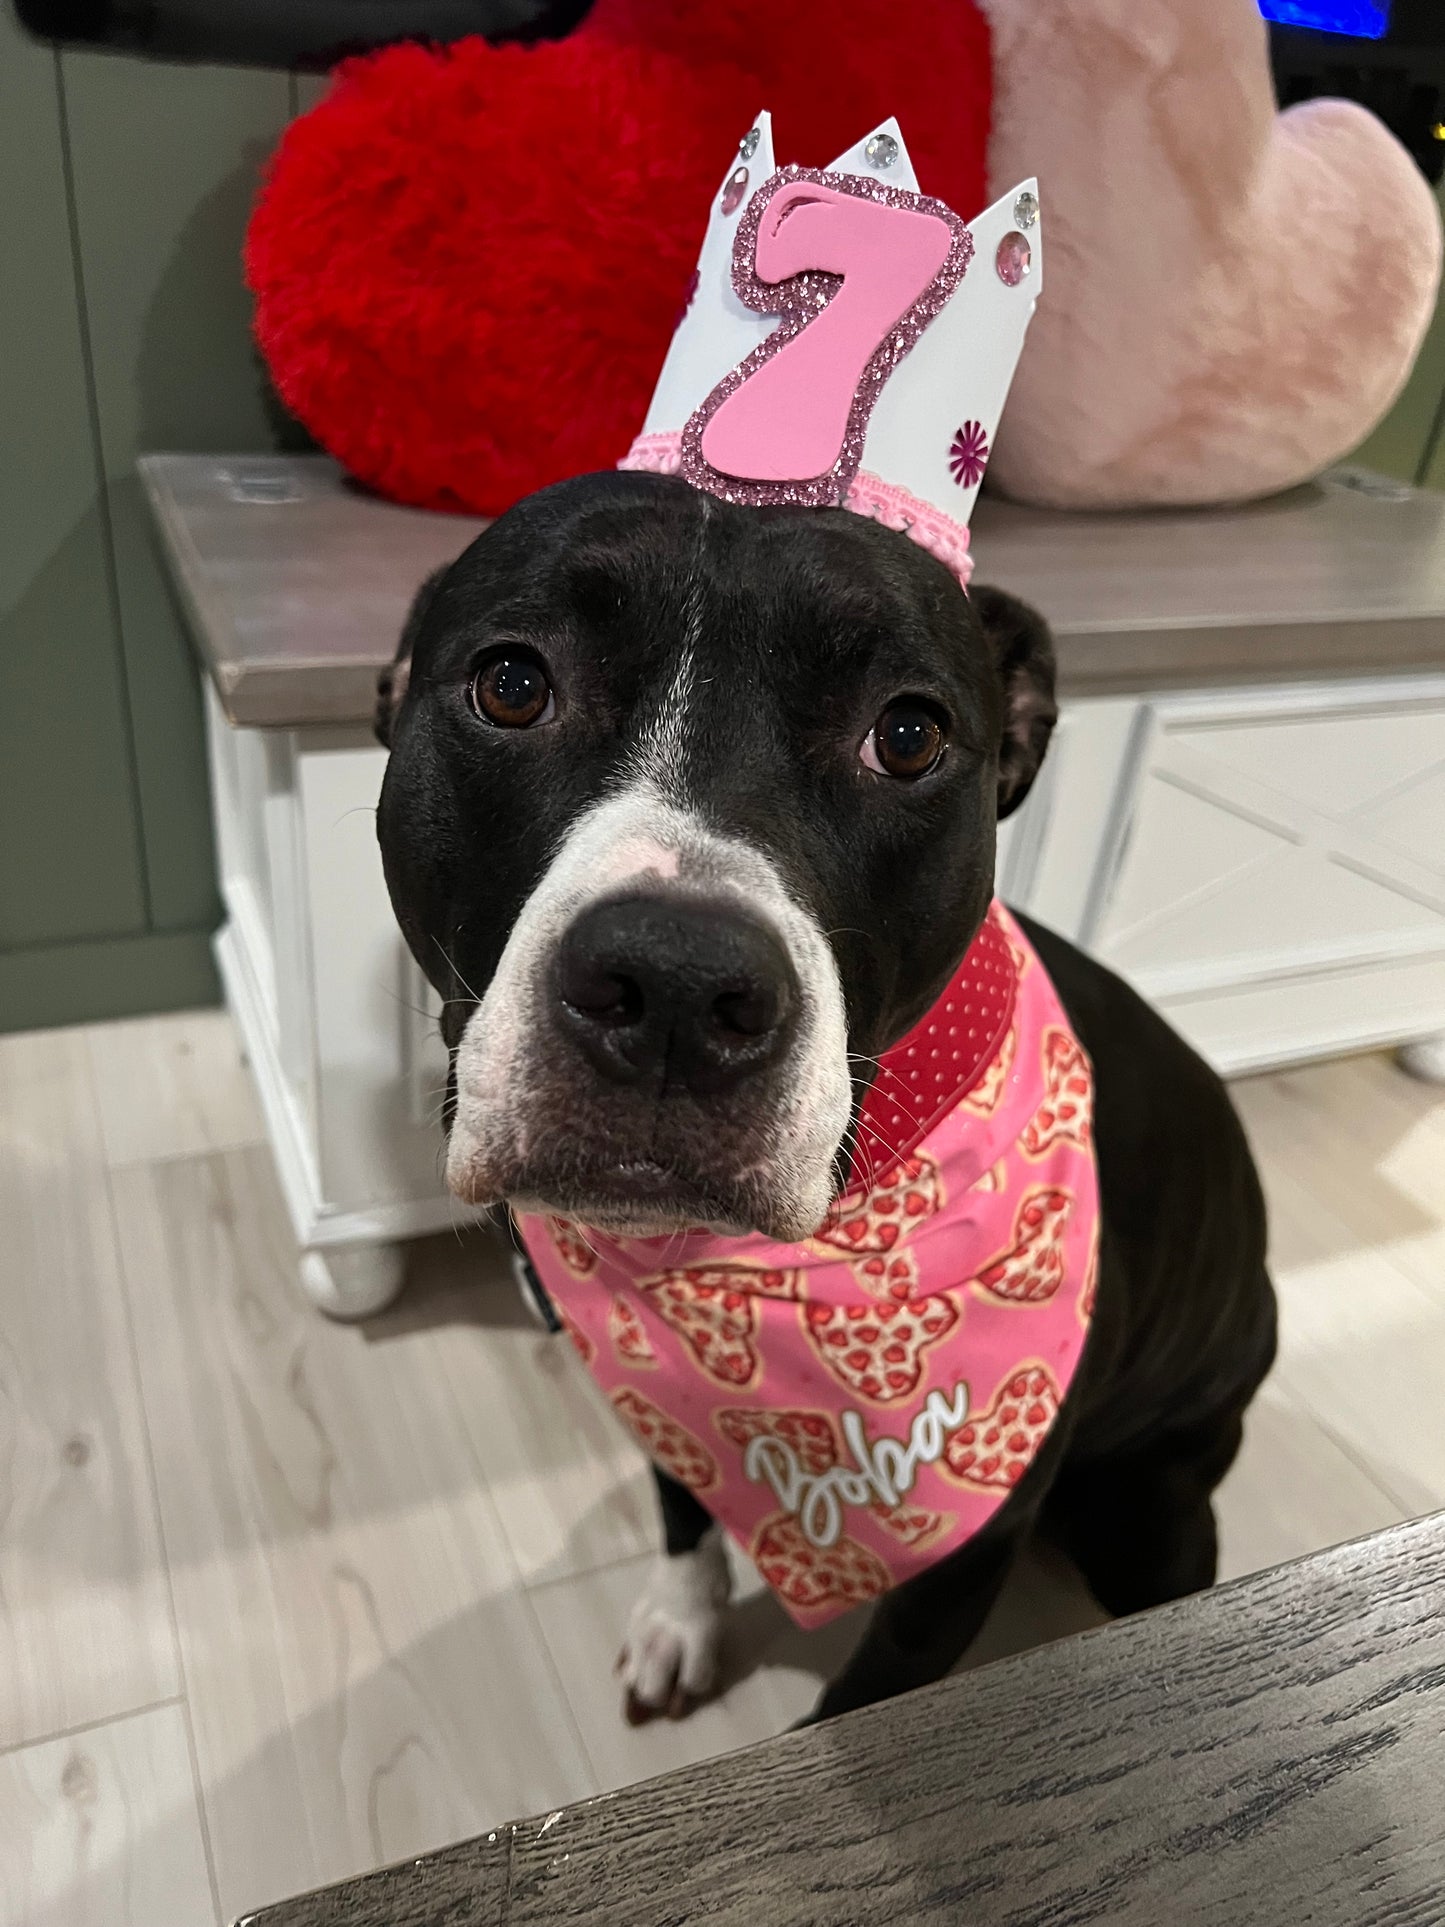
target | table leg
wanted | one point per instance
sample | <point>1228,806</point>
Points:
<point>353,1281</point>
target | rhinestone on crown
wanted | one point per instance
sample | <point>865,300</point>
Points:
<point>736,188</point>
<point>1013,260</point>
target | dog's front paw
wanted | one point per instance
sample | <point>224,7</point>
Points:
<point>669,1664</point>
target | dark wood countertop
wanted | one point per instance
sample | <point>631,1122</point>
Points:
<point>1269,1754</point>
<point>296,583</point>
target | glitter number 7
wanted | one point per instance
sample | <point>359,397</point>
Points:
<point>788,423</point>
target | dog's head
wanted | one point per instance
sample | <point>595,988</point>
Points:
<point>689,816</point>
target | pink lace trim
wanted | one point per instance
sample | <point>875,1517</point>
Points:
<point>867,495</point>
<point>929,527</point>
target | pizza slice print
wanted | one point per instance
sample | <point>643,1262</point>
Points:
<point>906,1194</point>
<point>629,1339</point>
<point>586,1350</point>
<point>917,1526</point>
<point>876,1351</point>
<point>717,1319</point>
<point>996,1447</point>
<point>1066,1110</point>
<point>810,1436</point>
<point>1089,1293</point>
<point>891,1275</point>
<point>666,1442</point>
<point>571,1247</point>
<point>983,1099</point>
<point>1033,1268</point>
<point>811,1578</point>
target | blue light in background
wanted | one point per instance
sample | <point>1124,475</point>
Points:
<point>1363,19</point>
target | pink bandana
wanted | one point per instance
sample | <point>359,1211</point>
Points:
<point>854,1407</point>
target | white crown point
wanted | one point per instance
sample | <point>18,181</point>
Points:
<point>880,156</point>
<point>716,331</point>
<point>932,421</point>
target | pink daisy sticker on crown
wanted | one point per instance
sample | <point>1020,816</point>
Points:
<point>968,455</point>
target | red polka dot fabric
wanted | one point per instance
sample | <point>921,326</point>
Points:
<point>929,1072</point>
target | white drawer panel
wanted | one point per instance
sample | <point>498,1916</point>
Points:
<point>1315,1016</point>
<point>1269,842</point>
<point>381,1069</point>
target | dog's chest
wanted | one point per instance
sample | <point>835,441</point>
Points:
<point>856,1406</point>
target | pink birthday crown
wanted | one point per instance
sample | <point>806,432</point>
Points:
<point>849,342</point>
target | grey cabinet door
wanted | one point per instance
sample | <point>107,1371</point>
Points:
<point>70,857</point>
<point>124,325</point>
<point>164,164</point>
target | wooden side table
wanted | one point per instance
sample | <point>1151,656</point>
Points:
<point>1264,1755</point>
<point>1242,811</point>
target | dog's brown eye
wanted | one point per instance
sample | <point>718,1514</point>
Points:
<point>512,691</point>
<point>907,740</point>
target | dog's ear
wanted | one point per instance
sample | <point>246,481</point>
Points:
<point>1023,654</point>
<point>391,684</point>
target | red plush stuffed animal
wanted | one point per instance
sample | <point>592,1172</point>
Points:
<point>468,261</point>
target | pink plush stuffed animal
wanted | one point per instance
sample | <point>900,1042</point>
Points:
<point>1235,295</point>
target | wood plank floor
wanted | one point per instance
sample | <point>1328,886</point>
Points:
<point>282,1600</point>
<point>85,1626</point>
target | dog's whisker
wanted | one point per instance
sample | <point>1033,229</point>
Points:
<point>875,1141</point>
<point>452,966</point>
<point>405,1003</point>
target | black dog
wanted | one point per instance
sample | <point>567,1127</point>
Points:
<point>625,692</point>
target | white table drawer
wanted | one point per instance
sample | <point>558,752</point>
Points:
<point>1269,835</point>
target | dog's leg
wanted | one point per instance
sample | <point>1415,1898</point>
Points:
<point>1141,1527</point>
<point>669,1664</point>
<point>918,1631</point>
<point>1137,1520</point>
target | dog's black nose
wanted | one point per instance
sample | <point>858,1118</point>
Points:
<point>697,994</point>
